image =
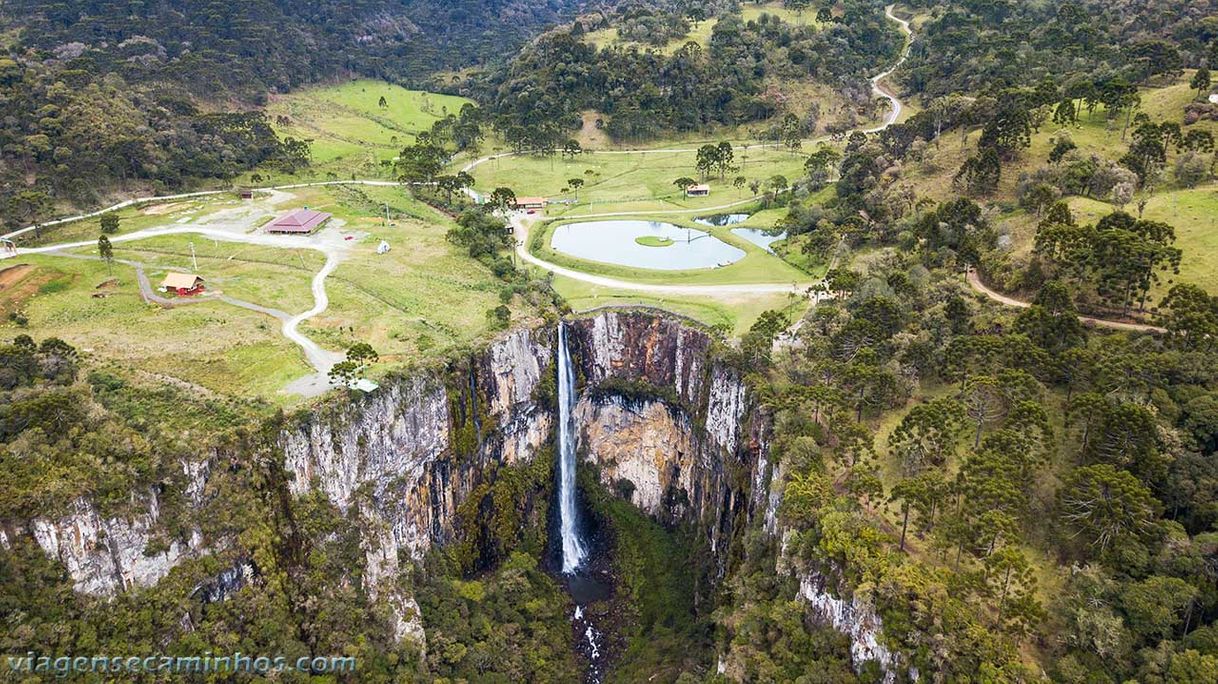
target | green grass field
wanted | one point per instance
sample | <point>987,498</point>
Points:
<point>423,297</point>
<point>630,181</point>
<point>213,345</point>
<point>350,131</point>
<point>735,314</point>
<point>1194,214</point>
<point>268,276</point>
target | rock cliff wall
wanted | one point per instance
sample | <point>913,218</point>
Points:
<point>661,413</point>
<point>108,554</point>
<point>407,456</point>
<point>664,415</point>
<point>667,420</point>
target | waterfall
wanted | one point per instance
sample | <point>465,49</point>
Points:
<point>573,551</point>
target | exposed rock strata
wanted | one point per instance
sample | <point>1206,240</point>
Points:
<point>659,409</point>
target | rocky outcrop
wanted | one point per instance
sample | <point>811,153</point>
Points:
<point>108,554</point>
<point>674,427</point>
<point>405,458</point>
<point>853,617</point>
<point>227,582</point>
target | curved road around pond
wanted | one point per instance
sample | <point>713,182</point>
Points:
<point>334,249</point>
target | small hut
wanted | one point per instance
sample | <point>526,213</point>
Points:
<point>182,284</point>
<point>529,203</point>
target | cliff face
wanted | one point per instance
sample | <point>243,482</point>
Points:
<point>405,458</point>
<point>106,555</point>
<point>662,415</point>
<point>673,425</point>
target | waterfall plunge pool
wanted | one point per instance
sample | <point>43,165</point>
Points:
<point>616,242</point>
<point>586,583</point>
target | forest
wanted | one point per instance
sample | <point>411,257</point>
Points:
<point>1023,492</point>
<point>643,93</point>
<point>984,46</point>
<point>160,96</point>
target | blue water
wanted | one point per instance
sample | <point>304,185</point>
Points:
<point>720,220</point>
<point>613,242</point>
<point>761,238</point>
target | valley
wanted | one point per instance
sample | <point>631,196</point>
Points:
<point>839,341</point>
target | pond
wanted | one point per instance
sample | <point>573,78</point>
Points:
<point>759,237</point>
<point>664,246</point>
<point>720,220</point>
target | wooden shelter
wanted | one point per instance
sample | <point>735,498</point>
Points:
<point>182,284</point>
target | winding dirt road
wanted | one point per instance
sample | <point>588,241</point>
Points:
<point>877,86</point>
<point>974,282</point>
<point>334,250</point>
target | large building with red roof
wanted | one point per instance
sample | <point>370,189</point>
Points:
<point>301,221</point>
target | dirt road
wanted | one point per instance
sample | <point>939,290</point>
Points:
<point>234,225</point>
<point>974,281</point>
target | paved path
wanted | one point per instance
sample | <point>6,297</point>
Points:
<point>974,281</point>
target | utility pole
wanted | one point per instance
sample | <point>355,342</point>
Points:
<point>193,259</point>
<point>386,214</point>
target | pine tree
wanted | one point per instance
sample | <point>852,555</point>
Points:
<point>1201,81</point>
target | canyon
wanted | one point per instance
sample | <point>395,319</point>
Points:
<point>662,417</point>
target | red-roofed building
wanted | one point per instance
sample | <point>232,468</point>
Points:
<point>301,221</point>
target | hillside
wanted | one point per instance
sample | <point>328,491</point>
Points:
<point>108,97</point>
<point>652,341</point>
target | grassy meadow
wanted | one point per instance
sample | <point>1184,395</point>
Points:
<point>1193,211</point>
<point>636,182</point>
<point>735,314</point>
<point>350,132</point>
<point>1194,214</point>
<point>425,295</point>
<point>211,345</point>
<point>267,276</point>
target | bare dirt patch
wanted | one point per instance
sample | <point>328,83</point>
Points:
<point>12,274</point>
<point>591,137</point>
<point>19,283</point>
